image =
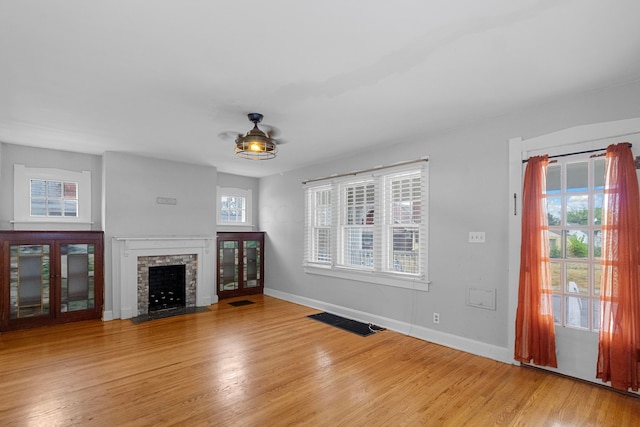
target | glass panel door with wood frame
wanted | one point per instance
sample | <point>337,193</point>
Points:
<point>50,277</point>
<point>29,283</point>
<point>240,264</point>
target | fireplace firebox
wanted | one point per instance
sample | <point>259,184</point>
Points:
<point>167,287</point>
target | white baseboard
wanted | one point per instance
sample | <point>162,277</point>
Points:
<point>500,354</point>
<point>107,315</point>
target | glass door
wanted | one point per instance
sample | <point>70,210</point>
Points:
<point>77,277</point>
<point>240,264</point>
<point>49,277</point>
<point>251,251</point>
<point>228,278</point>
<point>29,281</point>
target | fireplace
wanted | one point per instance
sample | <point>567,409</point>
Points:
<point>166,287</point>
<point>166,281</point>
<point>133,257</point>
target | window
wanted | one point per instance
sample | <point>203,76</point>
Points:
<point>46,198</point>
<point>373,223</point>
<point>53,198</point>
<point>319,201</point>
<point>234,206</point>
<point>574,209</point>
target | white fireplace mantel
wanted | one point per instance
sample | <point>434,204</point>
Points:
<point>125,253</point>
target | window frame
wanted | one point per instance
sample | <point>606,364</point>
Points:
<point>381,270</point>
<point>22,218</point>
<point>246,194</point>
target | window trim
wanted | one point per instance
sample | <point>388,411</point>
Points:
<point>377,275</point>
<point>235,192</point>
<point>22,219</point>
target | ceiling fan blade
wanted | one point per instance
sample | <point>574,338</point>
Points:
<point>229,135</point>
<point>271,131</point>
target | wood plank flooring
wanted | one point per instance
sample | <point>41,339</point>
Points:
<point>267,364</point>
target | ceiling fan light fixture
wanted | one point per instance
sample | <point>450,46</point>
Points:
<point>255,145</point>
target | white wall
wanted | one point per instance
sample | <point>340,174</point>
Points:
<point>468,192</point>
<point>131,186</point>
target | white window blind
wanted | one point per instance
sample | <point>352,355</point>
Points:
<point>372,222</point>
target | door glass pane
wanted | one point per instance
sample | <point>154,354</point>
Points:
<point>554,210</point>
<point>577,244</point>
<point>29,281</point>
<point>577,176</point>
<point>252,261</point>
<point>228,274</point>
<point>554,184</point>
<point>577,314</point>
<point>77,275</point>
<point>599,166</point>
<point>578,210</point>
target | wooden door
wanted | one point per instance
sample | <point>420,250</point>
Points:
<point>240,264</point>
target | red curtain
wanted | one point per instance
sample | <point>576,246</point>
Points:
<point>535,333</point>
<point>619,335</point>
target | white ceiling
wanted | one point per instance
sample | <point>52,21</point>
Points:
<point>164,78</point>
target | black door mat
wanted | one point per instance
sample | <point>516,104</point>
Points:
<point>161,314</point>
<point>362,329</point>
<point>241,303</point>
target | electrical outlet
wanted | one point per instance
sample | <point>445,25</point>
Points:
<point>476,237</point>
<point>436,317</point>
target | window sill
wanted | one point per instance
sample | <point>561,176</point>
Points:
<point>48,224</point>
<point>417,283</point>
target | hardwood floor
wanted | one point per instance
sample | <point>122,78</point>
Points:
<point>267,364</point>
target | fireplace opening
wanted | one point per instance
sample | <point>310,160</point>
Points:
<point>166,287</point>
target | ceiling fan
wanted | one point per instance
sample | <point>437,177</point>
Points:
<point>255,144</point>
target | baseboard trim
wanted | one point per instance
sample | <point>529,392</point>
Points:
<point>500,354</point>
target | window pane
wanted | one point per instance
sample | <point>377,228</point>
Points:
<point>578,210</point>
<point>555,245</point>
<point>577,176</point>
<point>599,166</point>
<point>554,210</point>
<point>323,244</point>
<point>38,188</point>
<point>596,315</point>
<point>556,276</point>
<point>597,278</point>
<point>359,201</point>
<point>597,208</point>
<point>359,247</point>
<point>54,189</point>
<point>597,244</point>
<point>54,207</point>
<point>405,250</point>
<point>70,190</point>
<point>577,278</point>
<point>38,207</point>
<point>554,184</point>
<point>557,308</point>
<point>70,208</point>
<point>577,244</point>
<point>577,312</point>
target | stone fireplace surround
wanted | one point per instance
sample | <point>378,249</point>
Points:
<point>126,252</point>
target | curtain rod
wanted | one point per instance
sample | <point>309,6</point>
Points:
<point>377,168</point>
<point>595,150</point>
